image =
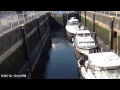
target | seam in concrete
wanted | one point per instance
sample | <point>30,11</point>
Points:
<point>118,34</point>
<point>7,31</point>
<point>117,45</point>
<point>42,48</point>
<point>30,33</point>
<point>44,21</point>
<point>35,29</point>
<point>34,64</point>
<point>106,27</point>
<point>11,50</point>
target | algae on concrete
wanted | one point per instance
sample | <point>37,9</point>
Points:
<point>101,31</point>
<point>59,19</point>
<point>118,45</point>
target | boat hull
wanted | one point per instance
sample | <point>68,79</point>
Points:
<point>69,36</point>
<point>82,52</point>
<point>71,31</point>
<point>78,54</point>
<point>85,74</point>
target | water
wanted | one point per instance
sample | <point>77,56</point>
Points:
<point>60,60</point>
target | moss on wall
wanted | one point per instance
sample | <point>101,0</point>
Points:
<point>101,31</point>
<point>31,42</point>
<point>59,19</point>
<point>119,45</point>
<point>82,20</point>
<point>103,34</point>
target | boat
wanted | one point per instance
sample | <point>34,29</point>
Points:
<point>83,42</point>
<point>101,65</point>
<point>72,26</point>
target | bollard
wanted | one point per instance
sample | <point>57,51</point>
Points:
<point>80,16</point>
<point>25,40</point>
<point>94,31</point>
<point>94,22</point>
<point>111,33</point>
<point>25,43</point>
<point>85,19</point>
<point>18,20</point>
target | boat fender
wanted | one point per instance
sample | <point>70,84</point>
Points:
<point>101,49</point>
<point>72,39</point>
<point>83,70</point>
<point>86,64</point>
<point>78,63</point>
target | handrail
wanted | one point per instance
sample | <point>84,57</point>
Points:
<point>13,21</point>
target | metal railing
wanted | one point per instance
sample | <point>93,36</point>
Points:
<point>61,12</point>
<point>113,13</point>
<point>14,20</point>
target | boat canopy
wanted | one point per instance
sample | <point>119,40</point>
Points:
<point>72,18</point>
<point>104,59</point>
<point>82,31</point>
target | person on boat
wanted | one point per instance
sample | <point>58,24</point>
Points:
<point>80,25</point>
<point>82,61</point>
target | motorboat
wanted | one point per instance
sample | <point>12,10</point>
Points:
<point>101,65</point>
<point>72,26</point>
<point>83,42</point>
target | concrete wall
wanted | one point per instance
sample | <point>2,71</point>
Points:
<point>118,45</point>
<point>57,20</point>
<point>102,26</point>
<point>99,30</point>
<point>104,20</point>
<point>13,55</point>
<point>60,20</point>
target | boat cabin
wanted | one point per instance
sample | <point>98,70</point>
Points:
<point>83,33</point>
<point>73,21</point>
<point>104,65</point>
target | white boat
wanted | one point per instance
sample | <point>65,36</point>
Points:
<point>72,26</point>
<point>102,65</point>
<point>83,42</point>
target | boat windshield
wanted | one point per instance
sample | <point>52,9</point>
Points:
<point>88,42</point>
<point>111,70</point>
<point>75,23</point>
<point>68,23</point>
<point>84,35</point>
<point>87,34</point>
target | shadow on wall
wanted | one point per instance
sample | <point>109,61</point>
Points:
<point>56,22</point>
<point>40,69</point>
<point>74,15</point>
<point>69,15</point>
